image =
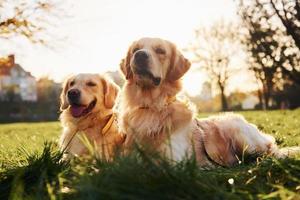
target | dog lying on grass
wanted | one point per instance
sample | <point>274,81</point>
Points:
<point>152,116</point>
<point>87,116</point>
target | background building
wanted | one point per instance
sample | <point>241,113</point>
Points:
<point>15,81</point>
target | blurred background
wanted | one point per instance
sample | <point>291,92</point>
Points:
<point>245,53</point>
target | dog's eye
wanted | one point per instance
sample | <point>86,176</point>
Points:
<point>160,51</point>
<point>72,83</point>
<point>135,50</point>
<point>91,84</point>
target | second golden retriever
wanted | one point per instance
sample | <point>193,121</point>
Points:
<point>87,102</point>
<point>151,114</point>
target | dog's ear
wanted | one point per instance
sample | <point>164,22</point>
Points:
<point>218,146</point>
<point>110,90</point>
<point>63,101</point>
<point>125,64</point>
<point>179,65</point>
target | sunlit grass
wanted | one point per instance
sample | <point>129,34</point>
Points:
<point>142,175</point>
<point>20,139</point>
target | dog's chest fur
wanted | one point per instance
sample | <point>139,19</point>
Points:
<point>147,122</point>
<point>151,119</point>
<point>159,130</point>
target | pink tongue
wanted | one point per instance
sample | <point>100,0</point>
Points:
<point>77,111</point>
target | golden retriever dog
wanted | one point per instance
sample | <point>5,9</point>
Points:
<point>87,102</point>
<point>151,115</point>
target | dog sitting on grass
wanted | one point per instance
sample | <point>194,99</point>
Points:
<point>87,117</point>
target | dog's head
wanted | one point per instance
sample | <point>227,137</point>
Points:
<point>151,61</point>
<point>86,93</point>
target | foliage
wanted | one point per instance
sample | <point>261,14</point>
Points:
<point>288,11</point>
<point>274,55</point>
<point>48,93</point>
<point>32,20</point>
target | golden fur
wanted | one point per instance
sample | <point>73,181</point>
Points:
<point>157,119</point>
<point>92,87</point>
<point>151,115</point>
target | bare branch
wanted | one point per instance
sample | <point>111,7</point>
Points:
<point>33,20</point>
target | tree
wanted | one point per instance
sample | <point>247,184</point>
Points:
<point>214,49</point>
<point>273,55</point>
<point>288,11</point>
<point>29,19</point>
<point>48,94</point>
<point>284,17</point>
<point>262,61</point>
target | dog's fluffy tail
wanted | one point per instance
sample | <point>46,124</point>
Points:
<point>287,152</point>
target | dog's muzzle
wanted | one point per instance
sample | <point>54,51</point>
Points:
<point>141,67</point>
<point>78,110</point>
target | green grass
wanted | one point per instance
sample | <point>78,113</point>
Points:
<point>31,169</point>
<point>21,139</point>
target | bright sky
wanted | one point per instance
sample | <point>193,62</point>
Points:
<point>100,31</point>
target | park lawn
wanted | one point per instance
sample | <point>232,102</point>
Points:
<point>21,139</point>
<point>41,175</point>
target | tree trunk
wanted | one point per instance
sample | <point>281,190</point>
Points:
<point>260,98</point>
<point>223,99</point>
<point>259,82</point>
<point>266,97</point>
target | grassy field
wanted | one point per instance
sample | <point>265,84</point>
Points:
<point>31,169</point>
<point>21,139</point>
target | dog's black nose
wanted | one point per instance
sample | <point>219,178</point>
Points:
<point>74,95</point>
<point>141,58</point>
<point>156,81</point>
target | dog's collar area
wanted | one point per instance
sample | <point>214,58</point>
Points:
<point>108,124</point>
<point>169,100</point>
